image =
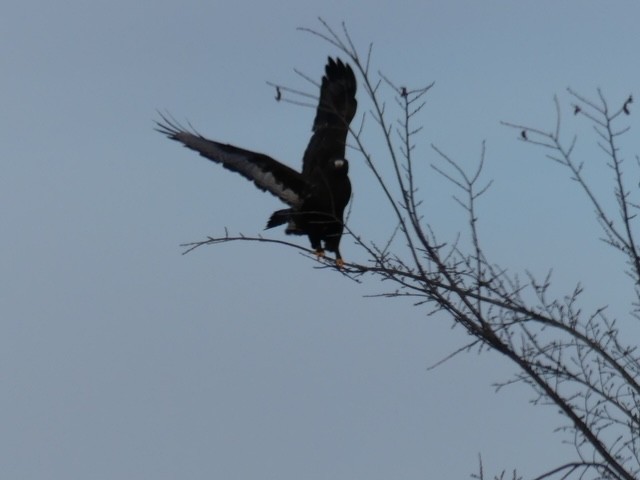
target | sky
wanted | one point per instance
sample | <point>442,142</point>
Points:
<point>122,358</point>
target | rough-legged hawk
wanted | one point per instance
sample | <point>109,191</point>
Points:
<point>318,195</point>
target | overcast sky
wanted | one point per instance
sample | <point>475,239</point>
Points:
<point>120,358</point>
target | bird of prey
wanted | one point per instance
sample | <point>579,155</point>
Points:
<point>316,196</point>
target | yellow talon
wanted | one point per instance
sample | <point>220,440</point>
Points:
<point>339,263</point>
<point>319,254</point>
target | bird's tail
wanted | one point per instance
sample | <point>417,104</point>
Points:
<point>281,217</point>
<point>278,218</point>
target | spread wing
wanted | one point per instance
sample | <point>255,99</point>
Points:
<point>336,109</point>
<point>266,173</point>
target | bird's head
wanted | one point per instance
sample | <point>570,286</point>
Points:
<point>340,165</point>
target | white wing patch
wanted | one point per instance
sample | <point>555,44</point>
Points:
<point>250,168</point>
<point>270,183</point>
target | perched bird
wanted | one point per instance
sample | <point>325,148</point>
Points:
<point>318,195</point>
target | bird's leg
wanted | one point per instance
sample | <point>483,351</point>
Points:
<point>316,244</point>
<point>339,261</point>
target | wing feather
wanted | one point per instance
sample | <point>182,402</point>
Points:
<point>337,104</point>
<point>266,173</point>
<point>336,108</point>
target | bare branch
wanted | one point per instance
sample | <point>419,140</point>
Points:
<point>575,360</point>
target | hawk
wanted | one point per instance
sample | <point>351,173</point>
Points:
<point>318,195</point>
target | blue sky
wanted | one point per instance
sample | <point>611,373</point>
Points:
<point>121,358</point>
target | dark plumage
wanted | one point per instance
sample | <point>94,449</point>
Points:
<point>318,195</point>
